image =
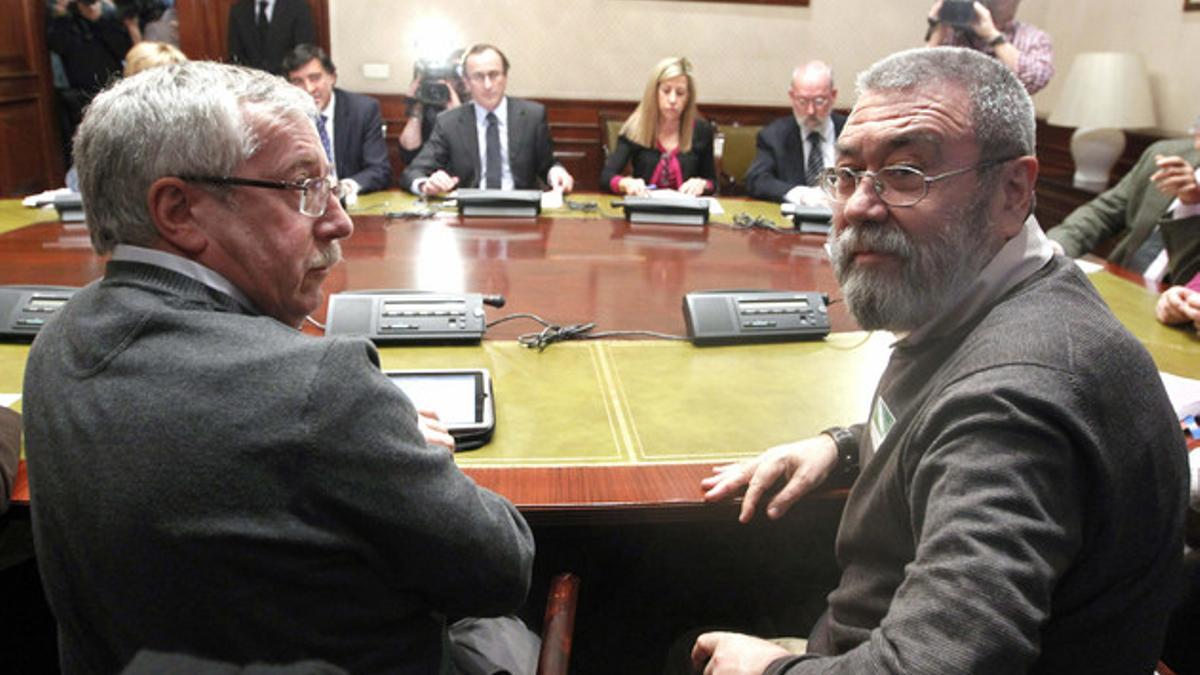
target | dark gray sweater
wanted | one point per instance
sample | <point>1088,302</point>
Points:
<point>215,483</point>
<point>1024,512</point>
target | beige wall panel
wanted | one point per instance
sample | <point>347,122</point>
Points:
<point>604,49</point>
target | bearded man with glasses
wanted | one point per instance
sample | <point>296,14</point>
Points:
<point>1018,487</point>
<point>206,479</point>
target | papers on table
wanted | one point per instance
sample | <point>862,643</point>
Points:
<point>7,400</point>
<point>46,198</point>
<point>1088,267</point>
<point>1184,393</point>
<point>714,206</point>
<point>552,199</point>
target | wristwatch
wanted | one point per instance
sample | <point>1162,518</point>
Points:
<point>847,450</point>
<point>998,40</point>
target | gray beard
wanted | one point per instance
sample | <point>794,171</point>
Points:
<point>934,271</point>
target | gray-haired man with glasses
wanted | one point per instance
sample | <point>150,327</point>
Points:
<point>205,478</point>
<point>1018,486</point>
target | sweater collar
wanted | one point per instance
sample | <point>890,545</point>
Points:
<point>188,268</point>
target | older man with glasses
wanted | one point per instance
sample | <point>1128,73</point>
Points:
<point>1019,483</point>
<point>206,479</point>
<point>794,150</point>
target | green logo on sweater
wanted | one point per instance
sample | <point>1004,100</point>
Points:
<point>881,422</point>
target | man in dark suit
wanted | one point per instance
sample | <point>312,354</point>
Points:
<point>352,121</point>
<point>496,142</point>
<point>793,150</point>
<point>261,32</point>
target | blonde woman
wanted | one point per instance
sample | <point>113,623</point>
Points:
<point>148,54</point>
<point>665,141</point>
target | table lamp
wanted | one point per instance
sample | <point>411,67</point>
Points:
<point>1105,93</point>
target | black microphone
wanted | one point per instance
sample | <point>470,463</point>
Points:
<point>496,301</point>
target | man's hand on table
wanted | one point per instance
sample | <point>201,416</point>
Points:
<point>801,466</point>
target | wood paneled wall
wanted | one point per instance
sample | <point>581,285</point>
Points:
<point>30,158</point>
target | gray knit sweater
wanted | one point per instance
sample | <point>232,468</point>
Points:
<point>1024,511</point>
<point>215,483</point>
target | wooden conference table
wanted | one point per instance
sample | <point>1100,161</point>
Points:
<point>605,429</point>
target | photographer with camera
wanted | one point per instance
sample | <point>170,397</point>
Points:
<point>435,88</point>
<point>989,26</point>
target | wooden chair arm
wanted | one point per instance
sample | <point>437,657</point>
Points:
<point>559,626</point>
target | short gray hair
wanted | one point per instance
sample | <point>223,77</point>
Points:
<point>196,118</point>
<point>1001,110</point>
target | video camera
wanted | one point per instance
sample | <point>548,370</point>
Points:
<point>431,91</point>
<point>957,13</point>
<point>145,10</point>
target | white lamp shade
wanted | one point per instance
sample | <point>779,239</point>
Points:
<point>1105,89</point>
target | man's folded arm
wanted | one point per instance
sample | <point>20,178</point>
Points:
<point>434,155</point>
<point>761,182</point>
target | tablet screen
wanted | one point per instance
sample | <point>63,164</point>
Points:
<point>454,396</point>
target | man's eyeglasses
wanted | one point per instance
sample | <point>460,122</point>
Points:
<point>314,192</point>
<point>894,185</point>
<point>816,101</point>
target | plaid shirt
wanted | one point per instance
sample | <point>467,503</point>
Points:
<point>1035,65</point>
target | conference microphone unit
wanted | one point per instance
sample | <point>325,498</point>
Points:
<point>410,316</point>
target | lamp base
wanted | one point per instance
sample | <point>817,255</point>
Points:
<point>1095,151</point>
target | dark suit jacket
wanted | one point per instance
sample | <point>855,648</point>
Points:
<point>454,146</point>
<point>291,25</point>
<point>695,163</point>
<point>779,164</point>
<point>1132,208</point>
<point>358,144</point>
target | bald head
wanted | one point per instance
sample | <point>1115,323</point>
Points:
<point>812,93</point>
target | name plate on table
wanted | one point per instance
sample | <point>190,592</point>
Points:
<point>407,316</point>
<point>809,219</point>
<point>25,309</point>
<point>673,210</point>
<point>734,317</point>
<point>69,207</point>
<point>475,203</point>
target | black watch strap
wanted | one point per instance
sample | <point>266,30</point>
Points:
<point>847,450</point>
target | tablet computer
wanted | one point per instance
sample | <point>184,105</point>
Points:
<point>462,399</point>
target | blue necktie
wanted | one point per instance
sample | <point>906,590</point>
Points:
<point>493,152</point>
<point>324,137</point>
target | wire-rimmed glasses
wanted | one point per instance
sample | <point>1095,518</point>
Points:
<point>894,185</point>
